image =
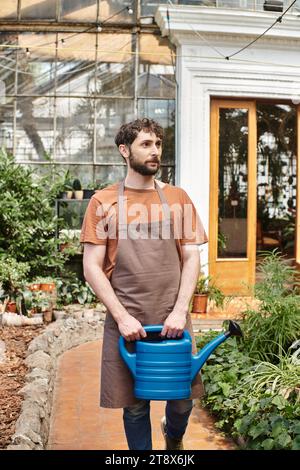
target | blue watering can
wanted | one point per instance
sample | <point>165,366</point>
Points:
<point>163,369</point>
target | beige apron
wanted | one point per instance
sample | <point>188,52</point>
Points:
<point>146,280</point>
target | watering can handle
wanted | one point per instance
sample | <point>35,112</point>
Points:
<point>130,358</point>
<point>158,329</point>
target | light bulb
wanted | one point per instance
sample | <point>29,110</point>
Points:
<point>27,52</point>
<point>130,10</point>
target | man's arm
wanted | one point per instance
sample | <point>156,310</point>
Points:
<point>93,259</point>
<point>175,322</point>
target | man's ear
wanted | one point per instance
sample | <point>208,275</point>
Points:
<point>124,151</point>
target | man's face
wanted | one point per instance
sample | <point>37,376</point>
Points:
<point>145,153</point>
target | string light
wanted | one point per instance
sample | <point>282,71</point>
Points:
<point>130,10</point>
<point>27,52</point>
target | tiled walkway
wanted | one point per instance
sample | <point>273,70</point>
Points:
<point>78,423</point>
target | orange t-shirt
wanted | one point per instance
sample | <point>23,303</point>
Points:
<point>100,224</point>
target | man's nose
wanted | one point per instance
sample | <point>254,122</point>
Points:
<point>154,150</point>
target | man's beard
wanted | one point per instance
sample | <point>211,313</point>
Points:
<point>142,168</point>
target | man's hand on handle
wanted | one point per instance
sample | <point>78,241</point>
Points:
<point>131,329</point>
<point>174,324</point>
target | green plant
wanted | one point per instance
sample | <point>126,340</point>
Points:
<point>271,329</point>
<point>278,278</point>
<point>12,275</point>
<point>27,221</point>
<point>70,290</point>
<point>205,286</point>
<point>76,185</point>
<point>253,416</point>
<point>279,379</point>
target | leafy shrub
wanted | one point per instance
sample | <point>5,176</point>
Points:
<point>270,330</point>
<point>27,221</point>
<point>254,416</point>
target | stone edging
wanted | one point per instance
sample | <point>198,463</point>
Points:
<point>32,426</point>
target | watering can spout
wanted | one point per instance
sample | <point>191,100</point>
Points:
<point>199,359</point>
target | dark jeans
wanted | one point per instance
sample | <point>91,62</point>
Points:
<point>138,426</point>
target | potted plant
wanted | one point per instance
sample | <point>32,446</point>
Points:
<point>68,190</point>
<point>89,191</point>
<point>205,290</point>
<point>12,278</point>
<point>78,192</point>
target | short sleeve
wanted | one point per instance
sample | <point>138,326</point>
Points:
<point>94,228</point>
<point>192,228</point>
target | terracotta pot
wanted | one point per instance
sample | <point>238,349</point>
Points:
<point>34,286</point>
<point>47,316</point>
<point>11,307</point>
<point>48,286</point>
<point>199,303</point>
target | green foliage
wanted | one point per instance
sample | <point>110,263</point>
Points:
<point>70,290</point>
<point>282,379</point>
<point>278,278</point>
<point>254,415</point>
<point>270,330</point>
<point>27,221</point>
<point>12,274</point>
<point>205,286</point>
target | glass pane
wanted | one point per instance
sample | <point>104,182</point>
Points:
<point>233,183</point>
<point>162,111</point>
<point>156,70</point>
<point>34,128</point>
<point>82,172</point>
<point>155,50</point>
<point>72,212</point>
<point>6,124</point>
<point>156,81</point>
<point>149,8</point>
<point>115,79</point>
<point>36,64</point>
<point>109,174</point>
<point>166,174</point>
<point>8,60</point>
<point>76,64</point>
<point>38,10</point>
<point>8,9</point>
<point>78,10</point>
<point>75,129</point>
<point>110,115</point>
<point>276,177</point>
<point>117,11</point>
<point>114,47</point>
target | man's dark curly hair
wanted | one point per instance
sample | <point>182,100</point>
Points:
<point>129,132</point>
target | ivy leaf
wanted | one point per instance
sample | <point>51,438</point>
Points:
<point>277,429</point>
<point>268,444</point>
<point>260,428</point>
<point>296,443</point>
<point>225,388</point>
<point>296,429</point>
<point>280,402</point>
<point>284,439</point>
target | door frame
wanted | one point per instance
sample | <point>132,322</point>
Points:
<point>240,269</point>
